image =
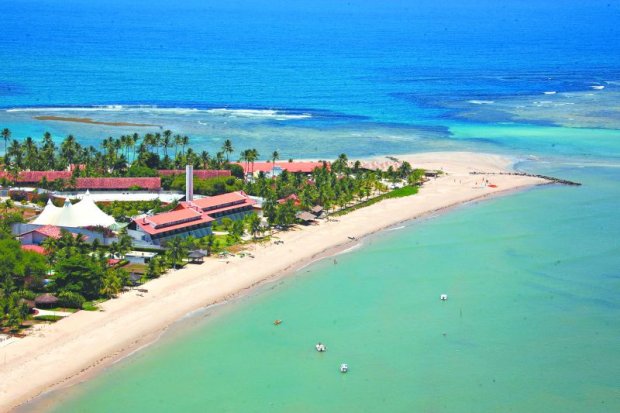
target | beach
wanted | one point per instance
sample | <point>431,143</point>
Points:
<point>66,351</point>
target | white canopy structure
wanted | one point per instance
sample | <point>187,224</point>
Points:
<point>82,214</point>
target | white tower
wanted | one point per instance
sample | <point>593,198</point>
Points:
<point>189,183</point>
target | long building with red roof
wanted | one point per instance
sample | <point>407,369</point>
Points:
<point>193,217</point>
<point>271,169</point>
<point>198,173</point>
<point>96,184</point>
<point>111,184</point>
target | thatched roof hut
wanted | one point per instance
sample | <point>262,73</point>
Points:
<point>197,256</point>
<point>317,210</point>
<point>46,300</point>
<point>29,303</point>
<point>305,217</point>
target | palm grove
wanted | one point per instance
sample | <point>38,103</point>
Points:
<point>78,272</point>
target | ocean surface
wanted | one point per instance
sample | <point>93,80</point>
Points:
<point>532,323</point>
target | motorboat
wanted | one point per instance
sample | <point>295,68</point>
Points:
<point>320,347</point>
<point>344,368</point>
<point>443,297</point>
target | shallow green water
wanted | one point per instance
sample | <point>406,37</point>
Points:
<point>531,325</point>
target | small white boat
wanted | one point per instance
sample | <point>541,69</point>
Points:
<point>443,297</point>
<point>344,368</point>
<point>320,347</point>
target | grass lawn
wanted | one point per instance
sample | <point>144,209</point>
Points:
<point>136,268</point>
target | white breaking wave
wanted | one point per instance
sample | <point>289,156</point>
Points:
<point>222,112</point>
<point>481,102</point>
<point>551,92</point>
<point>258,113</point>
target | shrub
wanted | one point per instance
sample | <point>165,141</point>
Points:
<point>70,299</point>
<point>48,317</point>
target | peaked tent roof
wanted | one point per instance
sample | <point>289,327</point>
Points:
<point>49,216</point>
<point>82,214</point>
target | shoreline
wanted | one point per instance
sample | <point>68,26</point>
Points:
<point>99,350</point>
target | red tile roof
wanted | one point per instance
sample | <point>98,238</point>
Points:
<point>151,184</point>
<point>292,197</point>
<point>188,214</point>
<point>220,201</point>
<point>32,177</point>
<point>294,167</point>
<point>198,173</point>
<point>34,248</point>
<point>49,231</point>
<point>169,221</point>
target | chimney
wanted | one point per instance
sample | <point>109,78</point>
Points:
<point>189,183</point>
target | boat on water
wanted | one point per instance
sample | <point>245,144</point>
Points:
<point>344,367</point>
<point>320,347</point>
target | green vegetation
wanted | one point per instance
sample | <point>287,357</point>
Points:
<point>48,317</point>
<point>122,211</point>
<point>129,155</point>
<point>211,186</point>
<point>396,193</point>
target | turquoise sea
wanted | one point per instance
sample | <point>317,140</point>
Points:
<point>532,323</point>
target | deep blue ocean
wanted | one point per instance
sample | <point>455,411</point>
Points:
<point>535,80</point>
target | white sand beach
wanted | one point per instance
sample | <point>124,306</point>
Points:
<point>65,351</point>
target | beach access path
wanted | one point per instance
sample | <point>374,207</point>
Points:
<point>64,352</point>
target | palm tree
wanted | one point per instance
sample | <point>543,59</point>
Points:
<point>219,159</point>
<point>227,148</point>
<point>255,224</point>
<point>184,143</point>
<point>6,135</point>
<point>177,251</point>
<point>253,156</point>
<point>274,157</point>
<point>8,204</point>
<point>178,139</point>
<point>204,158</point>
<point>245,159</point>
<point>167,141</point>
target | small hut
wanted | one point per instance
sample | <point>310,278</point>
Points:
<point>306,217</point>
<point>29,303</point>
<point>317,210</point>
<point>135,279</point>
<point>197,256</point>
<point>46,300</point>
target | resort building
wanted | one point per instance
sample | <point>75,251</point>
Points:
<point>192,217</point>
<point>38,235</point>
<point>160,228</point>
<point>139,257</point>
<point>234,205</point>
<point>271,169</point>
<point>198,173</point>
<point>97,184</point>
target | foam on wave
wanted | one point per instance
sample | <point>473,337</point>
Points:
<point>223,112</point>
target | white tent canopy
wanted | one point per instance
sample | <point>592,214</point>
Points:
<point>82,214</point>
